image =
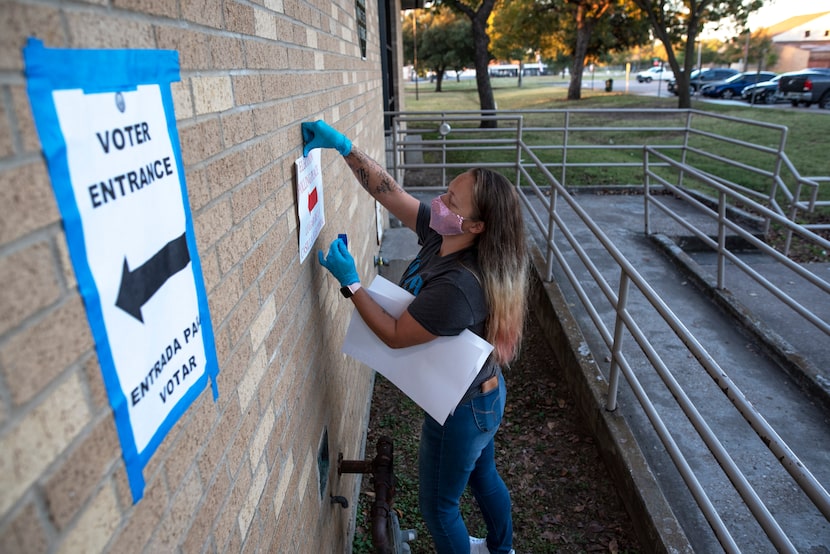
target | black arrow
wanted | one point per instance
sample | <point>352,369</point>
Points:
<point>137,287</point>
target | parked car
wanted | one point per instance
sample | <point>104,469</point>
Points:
<point>733,86</point>
<point>654,74</point>
<point>698,78</point>
<point>810,86</point>
<point>763,93</point>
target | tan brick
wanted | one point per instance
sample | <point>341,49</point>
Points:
<point>211,457</point>
<point>262,55</point>
<point>95,383</point>
<point>205,12</point>
<point>201,417</point>
<point>226,523</point>
<point>212,94</point>
<point>69,487</point>
<point>26,201</point>
<point>202,525</point>
<point>263,433</point>
<point>239,18</point>
<point>265,24</point>
<point>212,223</point>
<point>19,22</point>
<point>176,521</point>
<point>6,140</point>
<point>227,52</point>
<point>249,506</point>
<point>250,381</point>
<point>262,219</point>
<point>66,268</point>
<point>274,5</point>
<point>95,526</point>
<point>142,518</point>
<point>198,191</point>
<point>200,141</point>
<point>234,246</point>
<point>154,7</point>
<point>241,317</point>
<point>225,173</point>
<point>281,496</point>
<point>97,30</point>
<point>238,453</point>
<point>35,356</point>
<point>29,284</point>
<point>261,326</point>
<point>237,127</point>
<point>192,46</point>
<point>248,89</point>
<point>35,441</point>
<point>210,269</point>
<point>245,200</point>
<point>24,534</point>
<point>224,298</point>
<point>182,99</point>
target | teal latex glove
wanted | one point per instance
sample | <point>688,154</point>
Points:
<point>319,134</point>
<point>340,263</point>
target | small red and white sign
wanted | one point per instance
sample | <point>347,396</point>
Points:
<point>310,206</point>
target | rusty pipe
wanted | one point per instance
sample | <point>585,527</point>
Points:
<point>381,468</point>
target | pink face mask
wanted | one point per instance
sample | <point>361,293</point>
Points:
<point>444,221</point>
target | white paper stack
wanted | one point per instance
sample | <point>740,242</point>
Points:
<point>435,374</point>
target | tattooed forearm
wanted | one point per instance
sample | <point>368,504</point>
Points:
<point>371,176</point>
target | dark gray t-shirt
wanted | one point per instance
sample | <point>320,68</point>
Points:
<point>448,293</point>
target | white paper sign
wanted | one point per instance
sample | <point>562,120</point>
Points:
<point>108,132</point>
<point>310,207</point>
<point>435,374</point>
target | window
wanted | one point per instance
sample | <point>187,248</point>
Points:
<point>360,13</point>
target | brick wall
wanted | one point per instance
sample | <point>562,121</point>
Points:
<point>241,473</point>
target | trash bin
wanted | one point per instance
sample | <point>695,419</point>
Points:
<point>609,85</point>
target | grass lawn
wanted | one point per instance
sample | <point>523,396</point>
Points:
<point>806,142</point>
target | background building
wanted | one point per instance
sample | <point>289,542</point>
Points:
<point>243,473</point>
<point>802,41</point>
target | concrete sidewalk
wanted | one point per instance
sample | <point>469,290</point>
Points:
<point>775,360</point>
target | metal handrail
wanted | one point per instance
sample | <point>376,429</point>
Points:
<point>629,275</point>
<point>404,124</point>
<point>525,159</point>
<point>723,253</point>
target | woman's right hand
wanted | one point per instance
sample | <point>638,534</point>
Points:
<point>319,134</point>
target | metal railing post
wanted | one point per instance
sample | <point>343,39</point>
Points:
<point>721,239</point>
<point>619,327</point>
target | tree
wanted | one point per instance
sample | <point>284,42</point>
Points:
<point>577,30</point>
<point>478,11</point>
<point>757,51</point>
<point>447,44</point>
<point>678,23</point>
<point>517,29</point>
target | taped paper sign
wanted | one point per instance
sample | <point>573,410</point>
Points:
<point>310,207</point>
<point>106,123</point>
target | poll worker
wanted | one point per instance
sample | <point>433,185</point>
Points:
<point>471,273</point>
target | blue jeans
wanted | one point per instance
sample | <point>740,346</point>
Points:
<point>459,453</point>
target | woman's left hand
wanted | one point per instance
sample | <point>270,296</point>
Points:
<point>340,263</point>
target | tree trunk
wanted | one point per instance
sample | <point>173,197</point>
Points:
<point>584,27</point>
<point>521,71</point>
<point>439,78</point>
<point>487,101</point>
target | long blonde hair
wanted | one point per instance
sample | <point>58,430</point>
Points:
<point>502,256</point>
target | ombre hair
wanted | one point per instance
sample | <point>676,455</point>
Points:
<point>502,256</point>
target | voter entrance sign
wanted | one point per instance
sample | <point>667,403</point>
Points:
<point>105,119</point>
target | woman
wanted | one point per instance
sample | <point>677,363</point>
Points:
<point>471,273</point>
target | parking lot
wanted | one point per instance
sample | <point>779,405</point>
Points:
<point>660,89</point>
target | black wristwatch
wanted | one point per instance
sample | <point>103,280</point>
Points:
<point>349,290</point>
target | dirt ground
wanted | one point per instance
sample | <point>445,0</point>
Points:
<point>563,498</point>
